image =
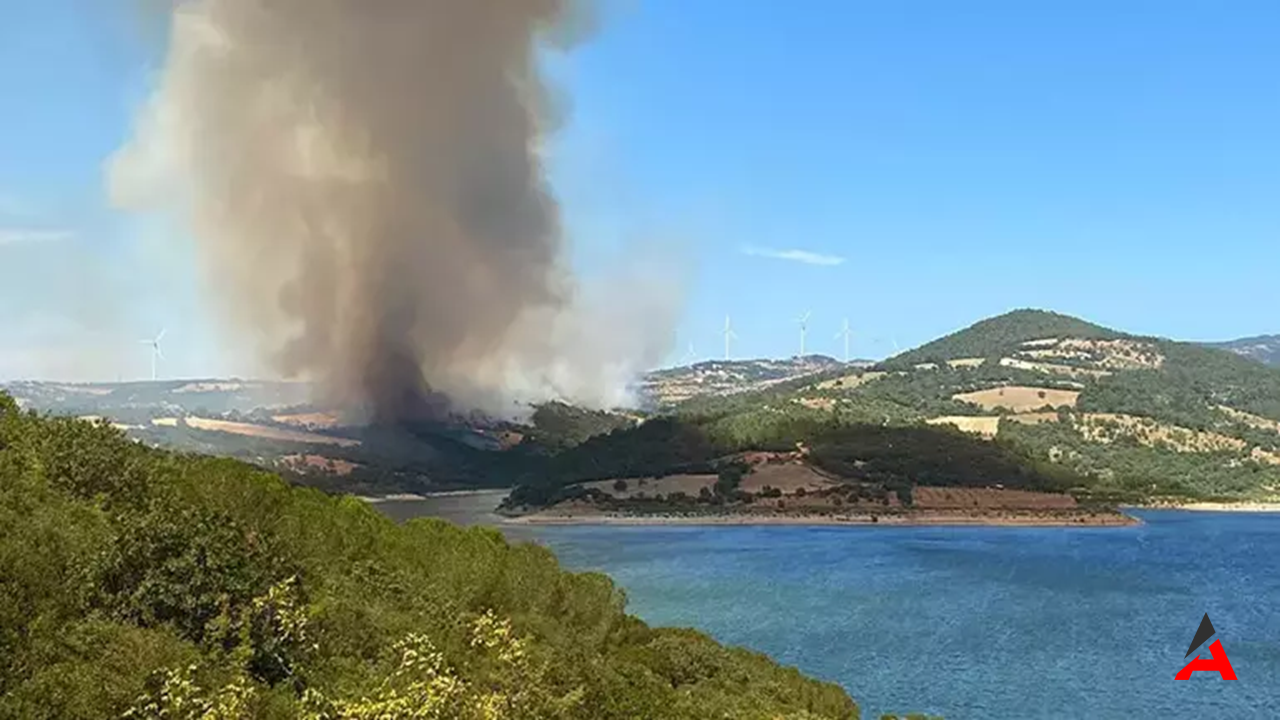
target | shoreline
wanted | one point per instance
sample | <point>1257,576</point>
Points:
<point>1247,506</point>
<point>919,519</point>
<point>412,497</point>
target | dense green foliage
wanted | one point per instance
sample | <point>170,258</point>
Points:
<point>1192,379</point>
<point>994,337</point>
<point>935,457</point>
<point>556,425</point>
<point>181,586</point>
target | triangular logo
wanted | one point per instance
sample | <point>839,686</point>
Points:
<point>1216,662</point>
<point>1204,633</point>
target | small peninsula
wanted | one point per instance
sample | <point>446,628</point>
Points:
<point>852,476</point>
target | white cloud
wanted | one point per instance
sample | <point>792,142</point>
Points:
<point>15,236</point>
<point>801,256</point>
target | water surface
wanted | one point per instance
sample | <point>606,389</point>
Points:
<point>971,622</point>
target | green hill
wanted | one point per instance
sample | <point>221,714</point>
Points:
<point>1002,334</point>
<point>141,583</point>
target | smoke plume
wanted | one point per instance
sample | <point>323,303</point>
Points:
<point>365,182</point>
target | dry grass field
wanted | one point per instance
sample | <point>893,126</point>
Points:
<point>271,433</point>
<point>1020,398</point>
<point>984,426</point>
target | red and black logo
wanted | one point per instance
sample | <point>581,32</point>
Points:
<point>1217,662</point>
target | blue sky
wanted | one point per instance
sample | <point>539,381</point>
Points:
<point>1117,161</point>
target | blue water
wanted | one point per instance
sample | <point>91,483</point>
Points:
<point>974,622</point>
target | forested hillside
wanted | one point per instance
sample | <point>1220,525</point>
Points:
<point>1111,415</point>
<point>143,583</point>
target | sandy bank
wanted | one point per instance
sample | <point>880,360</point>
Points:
<point>933,518</point>
<point>409,497</point>
<point>1266,507</point>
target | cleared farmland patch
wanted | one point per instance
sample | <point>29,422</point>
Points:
<point>787,477</point>
<point>1020,398</point>
<point>265,431</point>
<point>984,426</point>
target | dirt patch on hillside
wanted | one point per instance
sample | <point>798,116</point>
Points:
<point>1033,418</point>
<point>333,466</point>
<point>938,498</point>
<point>312,420</point>
<point>1264,456</point>
<point>1052,369</point>
<point>787,477</point>
<point>1042,342</point>
<point>1254,421</point>
<point>85,390</point>
<point>200,387</point>
<point>271,433</point>
<point>1106,427</point>
<point>966,362</point>
<point>1020,398</point>
<point>985,426</point>
<point>648,487</point>
<point>816,403</point>
<point>1118,354</point>
<point>165,422</point>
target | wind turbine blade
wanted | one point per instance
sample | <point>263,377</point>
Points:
<point>161,335</point>
<point>159,354</point>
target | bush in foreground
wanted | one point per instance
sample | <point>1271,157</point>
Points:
<point>140,582</point>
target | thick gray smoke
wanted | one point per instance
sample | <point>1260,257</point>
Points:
<point>365,183</point>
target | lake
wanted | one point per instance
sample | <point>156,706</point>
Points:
<point>966,622</point>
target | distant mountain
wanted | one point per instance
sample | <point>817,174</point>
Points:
<point>1263,348</point>
<point>722,377</point>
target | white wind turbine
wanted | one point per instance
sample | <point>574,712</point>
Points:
<point>155,351</point>
<point>689,356</point>
<point>729,336</point>
<point>804,329</point>
<point>844,333</point>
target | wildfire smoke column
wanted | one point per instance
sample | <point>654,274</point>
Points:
<point>364,183</point>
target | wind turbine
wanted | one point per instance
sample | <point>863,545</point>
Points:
<point>155,351</point>
<point>729,335</point>
<point>845,334</point>
<point>804,329</point>
<point>689,356</point>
